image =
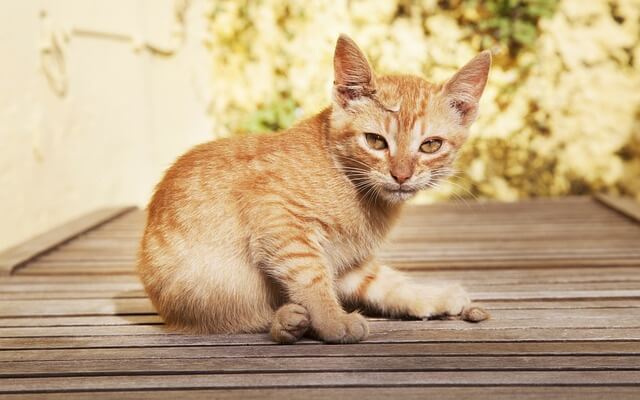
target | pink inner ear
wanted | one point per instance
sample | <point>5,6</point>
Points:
<point>463,107</point>
<point>353,92</point>
<point>470,80</point>
<point>353,74</point>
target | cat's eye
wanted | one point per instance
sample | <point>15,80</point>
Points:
<point>375,141</point>
<point>431,145</point>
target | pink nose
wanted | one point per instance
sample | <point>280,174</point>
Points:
<point>401,177</point>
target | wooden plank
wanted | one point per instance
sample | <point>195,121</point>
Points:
<point>560,276</point>
<point>27,369</point>
<point>86,268</point>
<point>98,286</point>
<point>308,349</point>
<point>407,336</point>
<point>106,294</point>
<point>557,295</point>
<point>475,287</point>
<point>81,279</point>
<point>624,205</point>
<point>546,275</point>
<point>500,319</point>
<point>17,256</point>
<point>322,379</point>
<point>130,336</point>
<point>560,304</point>
<point>511,263</point>
<point>480,392</point>
<point>101,320</point>
<point>25,308</point>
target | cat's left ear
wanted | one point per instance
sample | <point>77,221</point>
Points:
<point>353,75</point>
<point>464,89</point>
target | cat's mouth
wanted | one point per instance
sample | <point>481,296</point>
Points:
<point>401,190</point>
<point>400,193</point>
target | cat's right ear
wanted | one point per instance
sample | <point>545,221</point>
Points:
<point>466,86</point>
<point>353,76</point>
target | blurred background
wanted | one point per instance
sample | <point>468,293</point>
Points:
<point>97,98</point>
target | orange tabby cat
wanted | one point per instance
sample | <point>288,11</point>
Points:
<point>278,231</point>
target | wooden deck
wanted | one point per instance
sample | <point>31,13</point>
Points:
<point>560,277</point>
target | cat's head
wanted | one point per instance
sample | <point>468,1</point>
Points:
<point>396,135</point>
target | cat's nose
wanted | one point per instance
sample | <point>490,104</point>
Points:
<point>401,177</point>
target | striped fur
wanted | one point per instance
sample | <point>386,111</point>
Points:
<point>278,231</point>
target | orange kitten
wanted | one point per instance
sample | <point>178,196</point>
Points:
<point>279,231</point>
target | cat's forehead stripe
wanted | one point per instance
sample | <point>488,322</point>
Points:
<point>393,127</point>
<point>416,133</point>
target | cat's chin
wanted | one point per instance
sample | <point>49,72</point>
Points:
<point>397,196</point>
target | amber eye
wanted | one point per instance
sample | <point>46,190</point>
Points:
<point>376,142</point>
<point>431,145</point>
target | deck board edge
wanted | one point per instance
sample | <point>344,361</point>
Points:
<point>623,205</point>
<point>17,256</point>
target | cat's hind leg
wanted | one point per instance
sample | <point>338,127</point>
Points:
<point>290,323</point>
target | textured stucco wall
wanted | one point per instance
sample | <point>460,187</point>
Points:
<point>126,114</point>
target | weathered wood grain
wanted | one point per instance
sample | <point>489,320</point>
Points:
<point>151,335</point>
<point>625,206</point>
<point>309,349</point>
<point>561,278</point>
<point>323,379</point>
<point>17,256</point>
<point>483,392</point>
<point>57,368</point>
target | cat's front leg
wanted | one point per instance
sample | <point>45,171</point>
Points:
<point>297,264</point>
<point>390,293</point>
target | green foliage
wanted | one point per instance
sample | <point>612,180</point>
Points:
<point>560,114</point>
<point>274,116</point>
<point>509,22</point>
<point>513,23</point>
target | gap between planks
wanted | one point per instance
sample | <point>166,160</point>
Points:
<point>480,392</point>
<point>324,379</point>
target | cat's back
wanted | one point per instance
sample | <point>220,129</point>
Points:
<point>224,162</point>
<point>229,171</point>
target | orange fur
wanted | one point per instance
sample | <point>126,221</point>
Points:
<point>240,228</point>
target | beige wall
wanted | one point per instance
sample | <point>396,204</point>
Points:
<point>125,114</point>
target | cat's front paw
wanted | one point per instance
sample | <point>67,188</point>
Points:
<point>443,300</point>
<point>290,323</point>
<point>344,328</point>
<point>450,300</point>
